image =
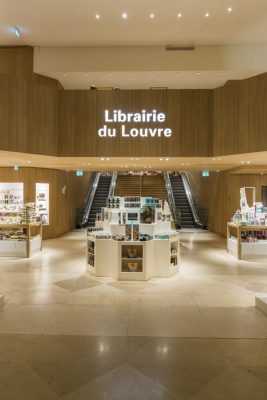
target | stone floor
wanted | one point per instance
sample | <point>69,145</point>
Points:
<point>67,335</point>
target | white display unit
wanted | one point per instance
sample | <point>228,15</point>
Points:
<point>42,202</point>
<point>244,250</point>
<point>102,257</point>
<point>29,245</point>
<point>138,268</point>
<point>166,249</point>
<point>116,256</point>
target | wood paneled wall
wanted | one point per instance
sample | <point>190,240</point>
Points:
<point>62,206</point>
<point>188,114</point>
<point>28,117</point>
<point>17,61</point>
<point>240,117</point>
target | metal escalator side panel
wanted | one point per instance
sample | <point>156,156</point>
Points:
<point>190,198</point>
<point>89,199</point>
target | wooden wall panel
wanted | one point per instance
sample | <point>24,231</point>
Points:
<point>188,112</point>
<point>17,61</point>
<point>240,117</point>
<point>28,117</point>
<point>62,206</point>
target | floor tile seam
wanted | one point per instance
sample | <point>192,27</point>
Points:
<point>202,317</point>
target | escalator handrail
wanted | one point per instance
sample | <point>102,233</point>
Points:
<point>190,198</point>
<point>171,201</point>
<point>90,198</point>
<point>113,184</point>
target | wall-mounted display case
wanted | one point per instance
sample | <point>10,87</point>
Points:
<point>42,202</point>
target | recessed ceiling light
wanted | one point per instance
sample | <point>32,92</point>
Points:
<point>160,159</point>
<point>102,159</point>
<point>198,73</point>
<point>97,16</point>
<point>179,15</point>
<point>242,162</point>
<point>65,74</point>
<point>86,74</point>
<point>166,159</point>
<point>151,15</point>
<point>229,9</point>
<point>109,74</point>
<point>207,14</point>
<point>124,15</point>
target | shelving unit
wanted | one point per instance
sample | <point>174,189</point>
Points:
<point>135,260</point>
<point>243,249</point>
<point>42,202</point>
<point>91,253</point>
<point>166,249</point>
<point>23,240</point>
<point>11,196</point>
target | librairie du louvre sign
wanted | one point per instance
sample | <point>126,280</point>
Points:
<point>139,119</point>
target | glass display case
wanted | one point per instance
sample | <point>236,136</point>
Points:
<point>42,202</point>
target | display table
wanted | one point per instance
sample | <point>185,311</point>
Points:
<point>243,249</point>
<point>26,247</point>
<point>133,260</point>
<point>134,240</point>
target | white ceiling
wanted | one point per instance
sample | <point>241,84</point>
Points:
<point>148,79</point>
<point>73,22</point>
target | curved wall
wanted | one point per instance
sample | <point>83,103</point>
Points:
<point>37,116</point>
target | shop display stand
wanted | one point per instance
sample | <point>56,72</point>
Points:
<point>137,267</point>
<point>121,247</point>
<point>166,249</point>
<point>244,250</point>
<point>22,248</point>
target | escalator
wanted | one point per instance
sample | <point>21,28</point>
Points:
<point>181,202</point>
<point>101,188</point>
<point>100,198</point>
<point>185,201</point>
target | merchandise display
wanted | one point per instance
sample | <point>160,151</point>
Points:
<point>42,202</point>
<point>11,202</point>
<point>247,233</point>
<point>29,213</point>
<point>125,242</point>
<point>21,240</point>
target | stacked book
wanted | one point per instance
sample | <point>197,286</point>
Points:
<point>29,213</point>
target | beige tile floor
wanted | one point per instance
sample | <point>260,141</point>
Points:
<point>67,335</point>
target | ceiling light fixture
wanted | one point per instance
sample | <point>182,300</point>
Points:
<point>179,15</point>
<point>229,9</point>
<point>124,15</point>
<point>97,16</point>
<point>151,15</point>
<point>207,14</point>
<point>17,32</point>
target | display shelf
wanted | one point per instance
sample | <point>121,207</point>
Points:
<point>166,263</point>
<point>42,202</point>
<point>11,196</point>
<point>243,249</point>
<point>26,244</point>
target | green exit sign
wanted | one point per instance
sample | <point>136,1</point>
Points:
<point>205,173</point>
<point>79,173</point>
